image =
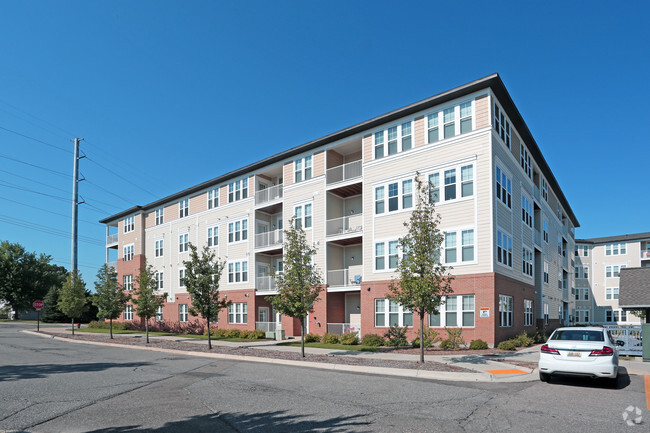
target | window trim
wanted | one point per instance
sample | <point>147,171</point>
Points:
<point>238,190</point>
<point>213,198</point>
<point>499,188</point>
<point>128,312</point>
<point>183,242</point>
<point>129,224</point>
<point>159,215</point>
<point>508,249</point>
<point>233,272</point>
<point>236,315</point>
<point>439,114</point>
<point>242,232</point>
<point>159,247</point>
<point>529,312</point>
<point>401,313</point>
<point>400,137</point>
<point>304,216</point>
<point>183,313</point>
<point>387,255</point>
<point>458,183</point>
<point>127,282</point>
<point>184,208</point>
<point>460,310</point>
<point>506,314</point>
<point>304,168</point>
<point>127,256</point>
<point>212,236</point>
<point>386,197</point>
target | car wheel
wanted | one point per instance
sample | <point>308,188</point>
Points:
<point>544,377</point>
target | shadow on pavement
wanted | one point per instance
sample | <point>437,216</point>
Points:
<point>276,421</point>
<point>586,382</point>
<point>35,371</point>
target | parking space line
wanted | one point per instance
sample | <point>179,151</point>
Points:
<point>647,391</point>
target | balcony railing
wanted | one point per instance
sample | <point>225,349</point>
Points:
<point>268,194</point>
<point>537,194</point>
<point>343,172</point>
<point>565,262</point>
<point>268,326</point>
<point>343,328</point>
<point>538,238</point>
<point>111,239</point>
<point>265,284</point>
<point>268,239</point>
<point>345,277</point>
<point>344,225</point>
<point>112,264</point>
<point>645,254</point>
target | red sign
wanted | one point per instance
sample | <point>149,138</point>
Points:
<point>38,305</point>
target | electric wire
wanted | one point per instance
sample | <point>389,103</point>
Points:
<point>47,229</point>
<point>34,165</point>
<point>35,181</point>
<point>45,210</point>
<point>120,176</point>
<point>69,200</point>
<point>35,139</point>
<point>68,133</point>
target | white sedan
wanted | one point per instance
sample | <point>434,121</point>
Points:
<point>579,351</point>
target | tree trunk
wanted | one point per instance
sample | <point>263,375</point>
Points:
<point>421,337</point>
<point>146,328</point>
<point>209,340</point>
<point>302,336</point>
<point>111,322</point>
<point>73,326</point>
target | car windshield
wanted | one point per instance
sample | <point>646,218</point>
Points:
<point>578,335</point>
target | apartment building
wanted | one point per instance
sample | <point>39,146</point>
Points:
<point>507,224</point>
<point>598,262</point>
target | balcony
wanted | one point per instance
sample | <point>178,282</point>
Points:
<point>645,255</point>
<point>268,195</point>
<point>112,264</point>
<point>343,328</point>
<point>565,262</point>
<point>350,277</point>
<point>345,172</point>
<point>537,194</point>
<point>344,225</point>
<point>111,239</point>
<point>538,238</point>
<point>268,239</point>
<point>265,284</point>
<point>268,326</point>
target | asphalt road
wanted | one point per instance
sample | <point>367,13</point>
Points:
<point>54,386</point>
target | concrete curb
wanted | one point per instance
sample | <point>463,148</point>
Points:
<point>478,376</point>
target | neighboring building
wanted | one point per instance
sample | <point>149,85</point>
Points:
<point>509,229</point>
<point>598,262</point>
<point>635,290</point>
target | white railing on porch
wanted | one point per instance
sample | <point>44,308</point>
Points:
<point>344,277</point>
<point>265,283</point>
<point>630,335</point>
<point>343,328</point>
<point>268,239</point>
<point>112,265</point>
<point>268,326</point>
<point>343,172</point>
<point>344,225</point>
<point>111,239</point>
<point>268,194</point>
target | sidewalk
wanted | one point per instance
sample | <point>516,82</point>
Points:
<point>485,368</point>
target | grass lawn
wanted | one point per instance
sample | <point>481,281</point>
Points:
<point>166,334</point>
<point>357,347</point>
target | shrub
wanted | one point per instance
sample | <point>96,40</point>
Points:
<point>372,340</point>
<point>257,334</point>
<point>396,336</point>
<point>478,345</point>
<point>312,338</point>
<point>454,335</point>
<point>330,339</point>
<point>507,345</point>
<point>430,338</point>
<point>523,340</point>
<point>445,344</point>
<point>232,333</point>
<point>219,333</point>
<point>244,333</point>
<point>117,326</point>
<point>538,337</point>
<point>349,338</point>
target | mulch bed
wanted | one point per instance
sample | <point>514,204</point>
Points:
<point>274,354</point>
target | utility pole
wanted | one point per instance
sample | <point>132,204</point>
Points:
<point>75,203</point>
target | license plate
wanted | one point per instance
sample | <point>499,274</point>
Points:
<point>574,354</point>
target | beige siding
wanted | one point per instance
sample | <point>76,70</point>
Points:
<point>198,203</point>
<point>334,159</point>
<point>419,131</point>
<point>482,111</point>
<point>319,164</point>
<point>288,173</point>
<point>367,148</point>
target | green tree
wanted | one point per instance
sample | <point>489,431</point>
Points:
<point>202,276</point>
<point>72,300</point>
<point>300,283</point>
<point>110,297</point>
<point>423,280</point>
<point>145,298</point>
<point>25,276</point>
<point>51,311</point>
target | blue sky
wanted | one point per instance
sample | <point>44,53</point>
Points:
<point>170,94</point>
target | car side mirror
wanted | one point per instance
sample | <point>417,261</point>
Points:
<point>620,343</point>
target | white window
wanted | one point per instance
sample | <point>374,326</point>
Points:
<point>526,211</point>
<point>238,190</point>
<point>450,184</point>
<point>129,224</point>
<point>432,128</point>
<point>468,245</point>
<point>546,272</point>
<point>525,161</point>
<point>452,188</point>
<point>128,252</point>
<point>400,196</point>
<point>128,312</point>
<point>615,249</point>
<point>544,189</point>
<point>581,272</point>
<point>184,208</point>
<point>449,117</point>
<point>505,311</point>
<point>183,243</point>
<point>608,316</point>
<point>159,314</point>
<point>611,293</point>
<point>213,198</point>
<point>181,277</point>
<point>613,271</point>
<point>585,251</point>
<point>386,255</point>
<point>455,311</point>
<point>127,282</point>
<point>545,224</point>
<point>182,313</point>
<point>238,271</point>
<point>527,261</point>
<point>582,294</point>
<point>213,236</point>
<point>393,140</point>
<point>160,284</point>
<point>504,187</point>
<point>465,117</point>
<point>302,169</point>
<point>528,312</point>
<point>238,313</point>
<point>546,313</point>
<point>502,125</point>
<point>303,216</point>
<point>160,216</point>
<point>451,251</point>
<point>467,180</point>
<point>504,249</point>
<point>238,231</point>
<point>159,247</point>
<point>389,313</point>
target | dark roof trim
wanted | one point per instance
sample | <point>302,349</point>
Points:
<point>491,81</point>
<point>617,238</point>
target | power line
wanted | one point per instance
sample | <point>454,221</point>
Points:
<point>10,185</point>
<point>46,229</point>
<point>35,139</point>
<point>120,176</point>
<point>107,191</point>
<point>34,165</point>
<point>44,210</point>
<point>68,133</point>
<point>35,181</point>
